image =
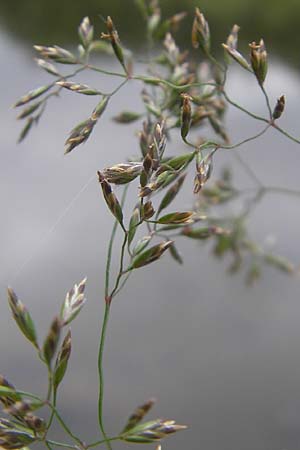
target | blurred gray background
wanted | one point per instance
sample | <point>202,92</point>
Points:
<point>218,356</point>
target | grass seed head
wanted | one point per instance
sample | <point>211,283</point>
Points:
<point>259,60</point>
<point>51,341</point>
<point>73,303</point>
<point>62,360</point>
<point>152,431</point>
<point>237,56</point>
<point>151,255</point>
<point>56,53</point>
<point>200,32</point>
<point>279,107</point>
<point>31,95</point>
<point>86,32</point>
<point>110,198</point>
<point>122,173</point>
<point>186,115</point>
<point>77,87</point>
<point>22,317</point>
<point>47,66</point>
<point>138,414</point>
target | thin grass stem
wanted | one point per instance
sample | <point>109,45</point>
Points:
<point>274,125</point>
<point>241,108</point>
<point>105,72</point>
<point>267,101</point>
<point>105,323</point>
<point>251,138</point>
<point>95,444</point>
<point>49,442</point>
<point>100,372</point>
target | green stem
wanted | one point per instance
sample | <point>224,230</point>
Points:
<point>105,323</point>
<point>214,61</point>
<point>147,79</point>
<point>60,78</point>
<point>236,105</point>
<point>105,72</point>
<point>29,395</point>
<point>100,371</point>
<point>63,77</point>
<point>190,144</point>
<point>50,383</point>
<point>108,299</point>
<point>118,88</point>
<point>282,190</point>
<point>109,255</point>
<point>64,425</point>
<point>53,412</point>
<point>267,101</point>
<point>285,133</point>
<point>49,442</point>
<point>248,169</point>
<point>56,413</point>
<point>95,444</point>
<point>251,138</point>
<point>119,276</point>
<point>252,203</point>
<point>110,246</point>
<point>123,283</point>
<point>168,83</point>
<point>257,117</point>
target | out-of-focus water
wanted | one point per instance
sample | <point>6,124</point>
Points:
<point>50,21</point>
<point>219,357</point>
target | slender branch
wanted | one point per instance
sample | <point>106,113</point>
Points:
<point>282,190</point>
<point>119,276</point>
<point>53,408</point>
<point>267,101</point>
<point>172,85</point>
<point>274,125</point>
<point>30,395</point>
<point>118,88</point>
<point>105,323</point>
<point>214,61</point>
<point>251,138</point>
<point>64,425</point>
<point>49,442</point>
<point>108,300</point>
<point>100,371</point>
<point>64,77</point>
<point>248,169</point>
<point>109,255</point>
<point>60,78</point>
<point>105,72</point>
<point>50,383</point>
<point>236,105</point>
<point>95,444</point>
<point>123,283</point>
<point>53,411</point>
<point>110,246</point>
<point>252,203</point>
<point>189,144</point>
<point>257,117</point>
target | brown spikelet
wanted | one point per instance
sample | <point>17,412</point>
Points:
<point>152,431</point>
<point>51,341</point>
<point>110,198</point>
<point>22,317</point>
<point>279,108</point>
<point>138,414</point>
